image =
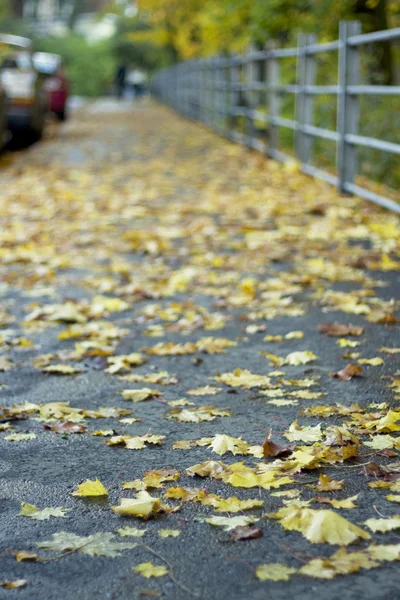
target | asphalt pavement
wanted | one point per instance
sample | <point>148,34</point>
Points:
<point>143,206</point>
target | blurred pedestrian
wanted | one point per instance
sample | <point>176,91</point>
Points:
<point>120,81</point>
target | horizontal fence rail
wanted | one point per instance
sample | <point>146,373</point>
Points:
<point>235,94</point>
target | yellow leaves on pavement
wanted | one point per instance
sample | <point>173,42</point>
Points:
<point>243,378</point>
<point>29,510</point>
<point>345,503</point>
<point>137,442</point>
<point>319,526</point>
<point>167,533</point>
<point>204,391</point>
<point>200,413</point>
<point>208,468</point>
<point>140,395</point>
<point>383,442</point>
<point>309,434</point>
<point>149,570</point>
<point>326,484</point>
<point>61,369</point>
<point>152,479</point>
<point>299,358</point>
<point>91,488</point>
<point>341,562</point>
<point>383,525</point>
<point>222,444</point>
<point>144,506</point>
<point>373,362</point>
<point>162,378</point>
<point>131,532</point>
<point>98,544</point>
<point>209,345</point>
<point>229,523</point>
<point>20,437</point>
<point>274,572</point>
<point>124,362</point>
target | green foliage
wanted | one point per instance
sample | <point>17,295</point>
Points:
<point>90,67</point>
<point>140,54</point>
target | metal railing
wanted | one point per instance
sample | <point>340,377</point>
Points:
<point>225,90</point>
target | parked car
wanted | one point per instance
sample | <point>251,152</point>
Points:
<point>56,84</point>
<point>3,117</point>
<point>27,99</point>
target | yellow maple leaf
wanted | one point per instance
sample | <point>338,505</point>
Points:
<point>373,362</point>
<point>149,570</point>
<point>274,572</point>
<point>166,533</point>
<point>143,506</point>
<point>140,395</point>
<point>243,378</point>
<point>131,532</point>
<point>299,358</point>
<point>383,525</point>
<point>297,433</point>
<point>91,488</point>
<point>229,523</point>
<point>319,526</point>
<point>222,444</point>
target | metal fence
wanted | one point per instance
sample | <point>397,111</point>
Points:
<point>225,91</point>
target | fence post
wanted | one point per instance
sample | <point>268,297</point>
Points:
<point>348,109</point>
<point>304,109</point>
<point>248,92</point>
<point>273,99</point>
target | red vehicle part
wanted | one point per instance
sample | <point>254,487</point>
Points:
<point>57,89</point>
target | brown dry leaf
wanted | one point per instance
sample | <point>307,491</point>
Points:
<point>245,533</point>
<point>326,484</point>
<point>65,427</point>
<point>340,330</point>
<point>345,503</point>
<point>351,370</point>
<point>274,450</point>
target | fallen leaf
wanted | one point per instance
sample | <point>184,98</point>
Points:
<point>166,533</point>
<point>13,585</point>
<point>340,330</point>
<point>149,570</point>
<point>274,572</point>
<point>245,533</point>
<point>30,510</point>
<point>319,526</point>
<point>143,506</point>
<point>98,544</point>
<point>229,523</point>
<point>91,488</point>
<point>383,525</point>
<point>131,532</point>
<point>348,372</point>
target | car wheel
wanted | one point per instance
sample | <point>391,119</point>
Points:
<point>61,115</point>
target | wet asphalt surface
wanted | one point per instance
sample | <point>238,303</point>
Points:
<point>45,471</point>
